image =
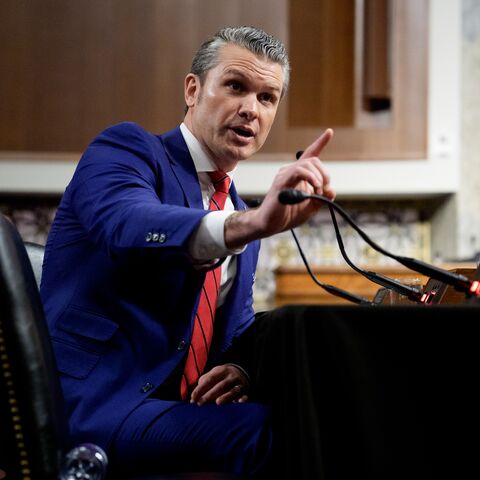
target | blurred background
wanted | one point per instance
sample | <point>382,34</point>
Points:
<point>398,80</point>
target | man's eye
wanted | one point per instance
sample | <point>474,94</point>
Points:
<point>236,86</point>
<point>266,97</point>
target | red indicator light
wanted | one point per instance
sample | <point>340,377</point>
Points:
<point>475,286</point>
<point>424,298</point>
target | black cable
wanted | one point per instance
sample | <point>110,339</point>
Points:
<point>460,282</point>
<point>329,288</point>
<point>411,293</point>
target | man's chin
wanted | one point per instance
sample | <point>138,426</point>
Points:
<point>228,159</point>
<point>243,153</point>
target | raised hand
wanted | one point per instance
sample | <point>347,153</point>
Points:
<point>307,174</point>
<point>311,153</point>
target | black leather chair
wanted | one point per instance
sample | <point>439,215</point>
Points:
<point>32,423</point>
<point>31,409</point>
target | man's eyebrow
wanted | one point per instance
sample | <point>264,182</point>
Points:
<point>234,71</point>
<point>239,73</point>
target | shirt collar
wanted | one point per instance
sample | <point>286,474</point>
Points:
<point>202,162</point>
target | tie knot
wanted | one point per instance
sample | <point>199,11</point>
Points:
<point>220,180</point>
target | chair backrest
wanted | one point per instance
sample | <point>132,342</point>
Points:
<point>35,254</point>
<point>31,406</point>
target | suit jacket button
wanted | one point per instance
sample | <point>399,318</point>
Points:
<point>155,237</point>
<point>182,345</point>
<point>148,237</point>
<point>147,387</point>
<point>162,238</point>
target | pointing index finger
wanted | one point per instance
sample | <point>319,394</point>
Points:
<point>314,149</point>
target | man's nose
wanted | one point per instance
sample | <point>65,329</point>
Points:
<point>249,107</point>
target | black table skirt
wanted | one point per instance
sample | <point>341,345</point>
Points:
<point>370,392</point>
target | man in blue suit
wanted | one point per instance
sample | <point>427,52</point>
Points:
<point>127,258</point>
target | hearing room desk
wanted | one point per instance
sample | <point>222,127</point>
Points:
<point>294,285</point>
<point>391,392</point>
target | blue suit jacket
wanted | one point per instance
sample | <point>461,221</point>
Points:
<point>118,288</point>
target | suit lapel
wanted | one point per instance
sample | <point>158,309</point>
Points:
<point>184,170</point>
<point>182,166</point>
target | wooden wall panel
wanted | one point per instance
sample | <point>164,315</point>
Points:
<point>322,34</point>
<point>70,68</point>
<point>406,135</point>
<point>376,55</point>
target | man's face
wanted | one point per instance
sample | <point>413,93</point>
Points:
<point>232,112</point>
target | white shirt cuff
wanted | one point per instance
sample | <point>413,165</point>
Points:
<point>208,242</point>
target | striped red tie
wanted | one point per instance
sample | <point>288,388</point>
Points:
<point>204,318</point>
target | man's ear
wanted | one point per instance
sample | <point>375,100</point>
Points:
<point>192,89</point>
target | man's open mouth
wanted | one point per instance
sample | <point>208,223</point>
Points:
<point>243,132</point>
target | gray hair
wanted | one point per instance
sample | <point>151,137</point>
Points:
<point>257,41</point>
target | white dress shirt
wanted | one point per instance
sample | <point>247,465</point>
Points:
<point>207,243</point>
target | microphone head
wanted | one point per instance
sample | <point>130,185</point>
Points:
<point>291,196</point>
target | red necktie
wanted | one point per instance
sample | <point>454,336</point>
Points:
<point>205,315</point>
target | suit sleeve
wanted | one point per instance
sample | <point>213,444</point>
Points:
<point>116,194</point>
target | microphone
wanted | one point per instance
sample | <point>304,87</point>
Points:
<point>291,196</point>
<point>459,282</point>
<point>475,287</point>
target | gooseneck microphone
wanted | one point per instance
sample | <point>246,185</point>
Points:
<point>338,292</point>
<point>459,282</point>
<point>292,196</point>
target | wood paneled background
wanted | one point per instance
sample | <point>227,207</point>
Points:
<point>71,68</point>
<point>322,49</point>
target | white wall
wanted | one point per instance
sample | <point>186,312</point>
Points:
<point>468,197</point>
